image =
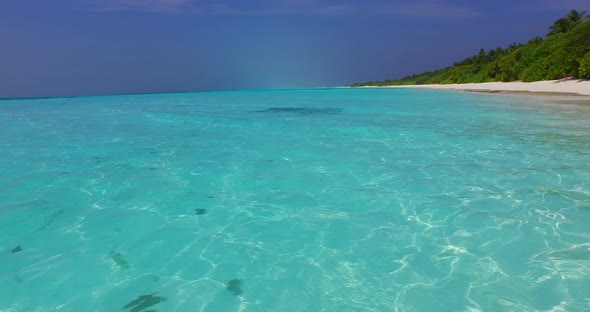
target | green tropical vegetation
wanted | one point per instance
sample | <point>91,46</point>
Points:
<point>563,53</point>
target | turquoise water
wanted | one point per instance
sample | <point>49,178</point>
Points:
<point>301,200</point>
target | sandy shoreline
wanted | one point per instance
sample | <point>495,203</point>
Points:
<point>549,87</point>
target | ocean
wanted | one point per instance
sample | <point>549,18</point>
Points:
<point>295,200</point>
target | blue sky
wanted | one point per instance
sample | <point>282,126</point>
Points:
<point>78,47</point>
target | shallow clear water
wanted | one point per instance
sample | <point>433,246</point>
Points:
<point>301,200</point>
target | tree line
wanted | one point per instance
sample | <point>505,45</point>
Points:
<point>563,53</point>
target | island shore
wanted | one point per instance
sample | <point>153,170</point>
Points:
<point>548,87</point>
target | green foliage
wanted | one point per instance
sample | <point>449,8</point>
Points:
<point>564,53</point>
<point>585,66</point>
<point>567,23</point>
<point>558,56</point>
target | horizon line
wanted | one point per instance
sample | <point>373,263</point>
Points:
<point>154,93</point>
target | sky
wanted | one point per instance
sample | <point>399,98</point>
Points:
<point>90,47</point>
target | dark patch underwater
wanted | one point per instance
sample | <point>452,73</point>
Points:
<point>301,110</point>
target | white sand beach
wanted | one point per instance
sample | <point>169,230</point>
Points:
<point>571,86</point>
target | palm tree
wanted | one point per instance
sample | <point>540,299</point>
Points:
<point>576,17</point>
<point>569,22</point>
<point>561,26</point>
